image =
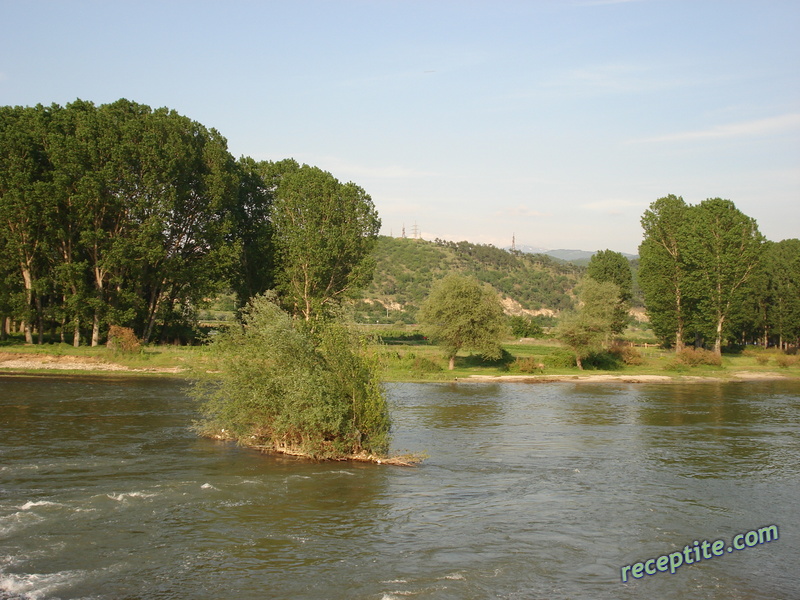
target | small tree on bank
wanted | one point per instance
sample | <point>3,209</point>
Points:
<point>589,329</point>
<point>462,313</point>
<point>276,385</point>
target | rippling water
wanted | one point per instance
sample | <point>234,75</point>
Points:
<point>530,491</point>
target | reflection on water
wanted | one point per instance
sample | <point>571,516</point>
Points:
<point>530,491</point>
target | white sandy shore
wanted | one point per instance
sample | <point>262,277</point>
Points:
<point>734,376</point>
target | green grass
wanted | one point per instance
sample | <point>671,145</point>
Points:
<point>406,358</point>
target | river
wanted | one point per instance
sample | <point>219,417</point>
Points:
<point>530,491</point>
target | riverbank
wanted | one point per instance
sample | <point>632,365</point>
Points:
<point>631,378</point>
<point>25,363</point>
<point>30,363</point>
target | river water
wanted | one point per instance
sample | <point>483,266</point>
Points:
<point>530,491</point>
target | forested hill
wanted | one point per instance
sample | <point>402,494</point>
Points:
<point>406,269</point>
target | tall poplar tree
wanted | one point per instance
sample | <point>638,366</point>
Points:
<point>662,269</point>
<point>723,247</point>
<point>782,266</point>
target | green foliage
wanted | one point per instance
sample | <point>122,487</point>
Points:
<point>112,214</point>
<point>527,364</point>
<point>723,248</point>
<point>324,234</point>
<point>607,265</point>
<point>463,313</point>
<point>407,268</point>
<point>705,273</point>
<point>559,359</point>
<point>586,331</point>
<point>282,387</point>
<point>524,327</point>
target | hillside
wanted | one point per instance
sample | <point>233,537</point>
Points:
<point>406,269</point>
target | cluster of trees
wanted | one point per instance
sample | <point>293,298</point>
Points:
<point>123,215</point>
<point>710,278</point>
<point>605,295</point>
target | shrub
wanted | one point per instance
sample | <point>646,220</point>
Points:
<point>422,364</point>
<point>762,359</point>
<point>277,384</point>
<point>627,354</point>
<point>605,360</point>
<point>123,339</point>
<point>559,359</point>
<point>785,361</point>
<point>693,357</point>
<point>527,364</point>
<point>524,327</point>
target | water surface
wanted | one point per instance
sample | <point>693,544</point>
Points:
<point>530,491</point>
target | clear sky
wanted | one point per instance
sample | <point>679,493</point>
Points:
<point>557,121</point>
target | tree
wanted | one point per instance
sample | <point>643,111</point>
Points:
<point>277,385</point>
<point>662,269</point>
<point>586,330</point>
<point>253,273</point>
<point>723,247</point>
<point>607,265</point>
<point>26,206</point>
<point>112,214</point>
<point>782,267</point>
<point>462,313</point>
<point>610,266</point>
<point>324,234</point>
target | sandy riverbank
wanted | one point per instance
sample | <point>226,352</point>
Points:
<point>607,378</point>
<point>19,362</point>
<point>44,362</point>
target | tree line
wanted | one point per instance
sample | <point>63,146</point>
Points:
<point>711,278</point>
<point>120,214</point>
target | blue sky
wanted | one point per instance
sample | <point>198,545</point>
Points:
<point>554,121</point>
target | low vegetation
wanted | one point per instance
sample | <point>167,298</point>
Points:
<point>276,383</point>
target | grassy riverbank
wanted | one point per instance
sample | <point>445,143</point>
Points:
<point>412,358</point>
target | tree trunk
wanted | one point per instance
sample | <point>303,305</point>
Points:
<point>452,362</point>
<point>718,339</point>
<point>679,345</point>
<point>76,336</point>
<point>578,362</point>
<point>96,329</point>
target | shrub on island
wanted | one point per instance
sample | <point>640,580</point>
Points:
<point>284,385</point>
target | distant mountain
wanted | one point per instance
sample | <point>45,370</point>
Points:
<point>578,256</point>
